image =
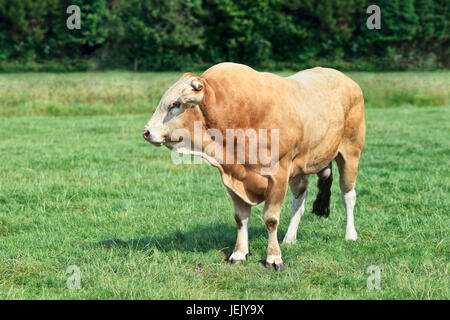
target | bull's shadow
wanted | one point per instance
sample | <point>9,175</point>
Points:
<point>199,239</point>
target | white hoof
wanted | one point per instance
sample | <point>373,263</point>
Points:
<point>351,235</point>
<point>289,240</point>
<point>275,261</point>
<point>237,256</point>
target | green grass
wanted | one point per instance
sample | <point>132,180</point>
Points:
<point>88,191</point>
<point>114,93</point>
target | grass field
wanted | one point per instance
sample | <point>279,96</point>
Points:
<point>79,186</point>
<point>114,93</point>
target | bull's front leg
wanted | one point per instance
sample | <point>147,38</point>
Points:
<point>242,212</point>
<point>271,215</point>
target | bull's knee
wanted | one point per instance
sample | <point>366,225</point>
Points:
<point>271,224</point>
<point>273,259</point>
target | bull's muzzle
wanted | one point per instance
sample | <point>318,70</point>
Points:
<point>146,134</point>
<point>150,137</point>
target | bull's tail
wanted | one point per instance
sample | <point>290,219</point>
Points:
<point>321,205</point>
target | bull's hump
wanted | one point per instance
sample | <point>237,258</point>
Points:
<point>227,66</point>
<point>229,71</point>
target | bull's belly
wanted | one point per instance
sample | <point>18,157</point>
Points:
<point>310,163</point>
<point>316,151</point>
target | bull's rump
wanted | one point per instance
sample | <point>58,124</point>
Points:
<point>324,92</point>
<point>327,102</point>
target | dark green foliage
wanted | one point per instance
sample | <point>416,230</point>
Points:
<point>177,34</point>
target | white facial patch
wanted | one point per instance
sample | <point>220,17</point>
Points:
<point>159,125</point>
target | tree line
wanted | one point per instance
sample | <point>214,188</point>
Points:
<point>179,34</point>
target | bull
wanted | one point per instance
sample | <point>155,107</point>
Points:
<point>315,116</point>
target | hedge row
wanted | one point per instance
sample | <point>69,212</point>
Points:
<point>176,34</point>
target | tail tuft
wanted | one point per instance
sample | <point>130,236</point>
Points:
<point>321,205</point>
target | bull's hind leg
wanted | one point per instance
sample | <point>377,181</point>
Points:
<point>348,169</point>
<point>347,160</point>
<point>242,212</point>
<point>298,187</point>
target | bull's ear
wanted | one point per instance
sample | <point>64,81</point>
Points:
<point>196,85</point>
<point>191,99</point>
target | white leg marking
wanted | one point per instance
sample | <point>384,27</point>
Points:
<point>297,210</point>
<point>271,259</point>
<point>241,250</point>
<point>349,200</point>
<point>237,256</point>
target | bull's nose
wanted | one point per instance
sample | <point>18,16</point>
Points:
<point>146,134</point>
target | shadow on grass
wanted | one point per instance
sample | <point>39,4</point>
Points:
<point>200,239</point>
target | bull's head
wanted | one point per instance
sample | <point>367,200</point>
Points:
<point>177,109</point>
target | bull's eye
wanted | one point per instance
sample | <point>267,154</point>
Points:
<point>174,105</point>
